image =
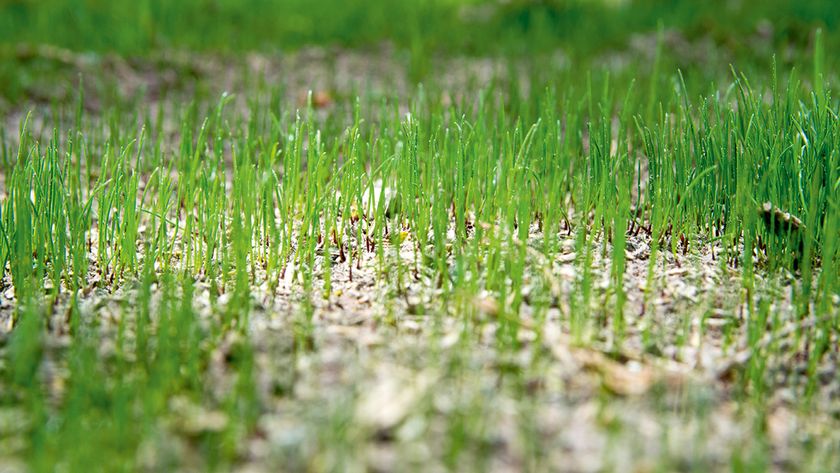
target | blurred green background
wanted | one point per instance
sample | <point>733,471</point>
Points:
<point>446,26</point>
<point>42,42</point>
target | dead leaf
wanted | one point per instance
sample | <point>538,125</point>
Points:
<point>630,379</point>
<point>320,99</point>
<point>487,306</point>
<point>193,419</point>
<point>392,398</point>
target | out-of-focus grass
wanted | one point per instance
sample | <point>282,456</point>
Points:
<point>702,37</point>
<point>139,26</point>
<point>477,26</point>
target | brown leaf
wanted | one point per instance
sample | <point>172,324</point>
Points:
<point>630,379</point>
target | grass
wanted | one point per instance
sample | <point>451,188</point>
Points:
<point>459,279</point>
<point>698,39</point>
<point>239,201</point>
<point>477,26</point>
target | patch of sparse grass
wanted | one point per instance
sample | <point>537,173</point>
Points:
<point>540,267</point>
<point>471,200</point>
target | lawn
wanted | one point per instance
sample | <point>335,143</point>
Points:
<point>442,235</point>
